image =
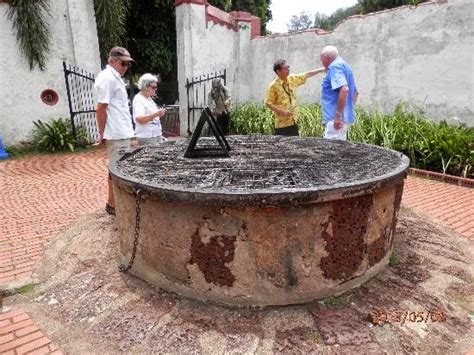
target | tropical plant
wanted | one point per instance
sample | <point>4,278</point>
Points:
<point>151,36</point>
<point>147,28</point>
<point>111,16</point>
<point>251,118</point>
<point>32,29</point>
<point>56,135</point>
<point>309,119</point>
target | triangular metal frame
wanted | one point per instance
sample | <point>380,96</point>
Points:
<point>224,147</point>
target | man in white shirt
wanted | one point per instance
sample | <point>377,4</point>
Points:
<point>113,115</point>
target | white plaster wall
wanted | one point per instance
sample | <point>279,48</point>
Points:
<point>74,40</point>
<point>422,55</point>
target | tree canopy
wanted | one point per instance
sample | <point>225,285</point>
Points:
<point>111,16</point>
<point>151,35</point>
<point>148,28</point>
<point>330,22</point>
<point>362,7</point>
<point>300,22</point>
<point>260,8</point>
<point>368,6</point>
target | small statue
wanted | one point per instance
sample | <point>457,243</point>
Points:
<point>219,103</point>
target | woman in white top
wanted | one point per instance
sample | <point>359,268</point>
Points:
<point>145,112</point>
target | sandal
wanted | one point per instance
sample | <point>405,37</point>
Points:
<point>109,209</point>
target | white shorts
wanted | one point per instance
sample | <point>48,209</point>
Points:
<point>331,133</point>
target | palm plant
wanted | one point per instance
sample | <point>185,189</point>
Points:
<point>32,29</point>
<point>56,135</point>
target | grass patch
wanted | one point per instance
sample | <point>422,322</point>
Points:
<point>23,290</point>
<point>336,301</point>
<point>393,261</point>
<point>24,149</point>
<point>314,336</point>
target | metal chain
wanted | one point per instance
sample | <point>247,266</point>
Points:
<point>122,267</point>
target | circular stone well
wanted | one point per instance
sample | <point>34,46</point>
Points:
<point>285,220</point>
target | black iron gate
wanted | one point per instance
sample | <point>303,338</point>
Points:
<point>80,95</point>
<point>198,89</point>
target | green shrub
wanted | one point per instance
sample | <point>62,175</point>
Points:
<point>251,118</point>
<point>309,121</point>
<point>435,146</point>
<point>56,135</point>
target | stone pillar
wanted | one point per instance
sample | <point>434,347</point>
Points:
<point>85,42</point>
<point>189,13</point>
<point>198,31</point>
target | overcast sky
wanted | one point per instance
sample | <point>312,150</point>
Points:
<point>282,10</point>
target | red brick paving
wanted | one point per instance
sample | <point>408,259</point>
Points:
<point>20,335</point>
<point>42,195</point>
<point>450,204</point>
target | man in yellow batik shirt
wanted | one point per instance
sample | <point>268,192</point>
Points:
<point>281,97</point>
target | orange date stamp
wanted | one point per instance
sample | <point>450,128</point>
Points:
<point>402,317</point>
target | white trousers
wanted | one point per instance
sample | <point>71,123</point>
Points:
<point>331,133</point>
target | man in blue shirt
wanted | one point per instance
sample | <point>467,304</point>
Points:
<point>338,95</point>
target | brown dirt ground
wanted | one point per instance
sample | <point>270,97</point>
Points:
<point>86,306</point>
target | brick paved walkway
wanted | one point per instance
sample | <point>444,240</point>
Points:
<point>42,195</point>
<point>19,335</point>
<point>449,204</point>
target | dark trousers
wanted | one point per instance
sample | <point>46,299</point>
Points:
<point>287,131</point>
<point>223,121</point>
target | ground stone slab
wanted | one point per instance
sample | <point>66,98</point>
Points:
<point>85,304</point>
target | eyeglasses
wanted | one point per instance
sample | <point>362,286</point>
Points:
<point>153,86</point>
<point>126,64</point>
